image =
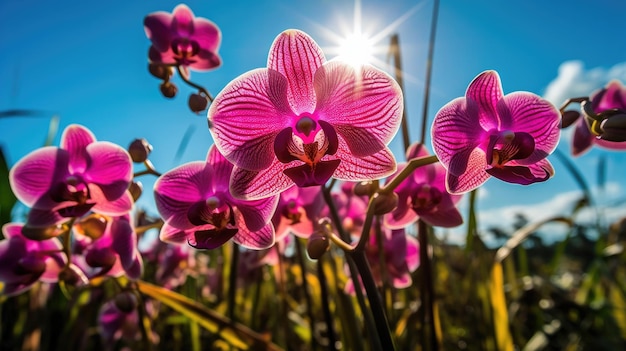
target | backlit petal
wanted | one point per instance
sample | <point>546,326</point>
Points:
<point>524,175</point>
<point>171,234</point>
<point>251,185</point>
<point>376,166</point>
<point>257,213</point>
<point>124,241</point>
<point>206,34</point>
<point>582,139</point>
<point>245,117</point>
<point>33,176</point>
<point>110,167</point>
<point>75,139</point>
<point>363,105</point>
<point>117,207</point>
<point>183,20</point>
<point>486,90</point>
<point>297,56</point>
<point>221,170</point>
<point>255,240</point>
<point>157,28</point>
<point>466,171</point>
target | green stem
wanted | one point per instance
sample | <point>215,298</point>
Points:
<point>412,165</point>
<point>427,290</point>
<point>307,295</point>
<point>429,69</point>
<point>330,329</point>
<point>232,282</point>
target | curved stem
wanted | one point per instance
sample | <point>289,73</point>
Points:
<point>412,165</point>
<point>199,87</point>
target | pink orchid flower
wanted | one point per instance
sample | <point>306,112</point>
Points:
<point>297,212</point>
<point>303,120</point>
<point>613,96</point>
<point>23,262</point>
<point>350,207</point>
<point>182,39</point>
<point>487,134</point>
<point>423,195</point>
<point>112,251</point>
<point>194,201</point>
<point>81,175</point>
<point>401,252</point>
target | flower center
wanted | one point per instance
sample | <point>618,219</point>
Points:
<point>291,212</point>
<point>507,145</point>
<point>75,190</point>
<point>211,211</point>
<point>184,49</point>
<point>426,198</point>
<point>309,143</point>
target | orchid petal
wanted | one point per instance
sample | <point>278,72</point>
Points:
<point>257,213</point>
<point>445,218</point>
<point>44,218</point>
<point>364,105</point>
<point>412,253</point>
<point>522,174</point>
<point>33,176</point>
<point>455,130</point>
<point>211,238</point>
<point>178,189</point>
<point>466,171</point>
<point>207,35</point>
<point>297,57</point>
<point>531,114</point>
<point>207,60</point>
<point>157,28</point>
<point>582,139</point>
<point>251,185</point>
<point>171,234</point>
<point>246,116</point>
<point>255,240</point>
<point>486,91</point>
<point>75,140</point>
<point>222,170</point>
<point>183,20</point>
<point>124,241</point>
<point>611,97</point>
<point>110,167</point>
<point>375,166</point>
<point>120,206</point>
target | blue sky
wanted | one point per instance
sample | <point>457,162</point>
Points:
<point>87,63</point>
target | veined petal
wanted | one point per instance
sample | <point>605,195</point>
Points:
<point>456,130</point>
<point>110,167</point>
<point>466,171</point>
<point>297,56</point>
<point>255,240</point>
<point>524,174</point>
<point>120,206</point>
<point>531,114</point>
<point>364,105</point>
<point>486,90</point>
<point>75,139</point>
<point>375,166</point>
<point>257,213</point>
<point>171,234</point>
<point>178,189</point>
<point>247,114</point>
<point>183,20</point>
<point>35,174</point>
<point>222,170</point>
<point>157,28</point>
<point>253,185</point>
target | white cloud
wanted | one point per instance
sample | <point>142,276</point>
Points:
<point>574,80</point>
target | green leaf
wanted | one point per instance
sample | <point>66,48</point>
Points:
<point>7,198</point>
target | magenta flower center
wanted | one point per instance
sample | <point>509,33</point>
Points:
<point>291,212</point>
<point>426,198</point>
<point>507,145</point>
<point>309,143</point>
<point>185,49</point>
<point>213,211</point>
<point>74,189</point>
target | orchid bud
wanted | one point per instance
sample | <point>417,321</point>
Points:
<point>168,89</point>
<point>135,189</point>
<point>126,301</point>
<point>31,265</point>
<point>41,233</point>
<point>385,203</point>
<point>569,117</point>
<point>614,128</point>
<point>100,257</point>
<point>139,150</point>
<point>160,71</point>
<point>197,103</point>
<point>317,245</point>
<point>365,188</point>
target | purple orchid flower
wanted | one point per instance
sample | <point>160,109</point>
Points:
<point>613,96</point>
<point>487,134</point>
<point>65,182</point>
<point>401,253</point>
<point>297,211</point>
<point>303,120</point>
<point>23,262</point>
<point>423,195</point>
<point>350,207</point>
<point>111,251</point>
<point>182,39</point>
<point>197,207</point>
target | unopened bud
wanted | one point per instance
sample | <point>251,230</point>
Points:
<point>614,128</point>
<point>160,71</point>
<point>139,150</point>
<point>104,257</point>
<point>92,226</point>
<point>31,265</point>
<point>126,301</point>
<point>135,189</point>
<point>384,203</point>
<point>317,245</point>
<point>168,89</point>
<point>569,117</point>
<point>197,103</point>
<point>365,188</point>
<point>41,233</point>
<point>72,276</point>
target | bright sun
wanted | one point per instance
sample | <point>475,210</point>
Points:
<point>357,49</point>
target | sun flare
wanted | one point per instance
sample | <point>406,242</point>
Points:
<point>357,49</point>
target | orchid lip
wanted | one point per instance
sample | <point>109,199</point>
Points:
<point>507,145</point>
